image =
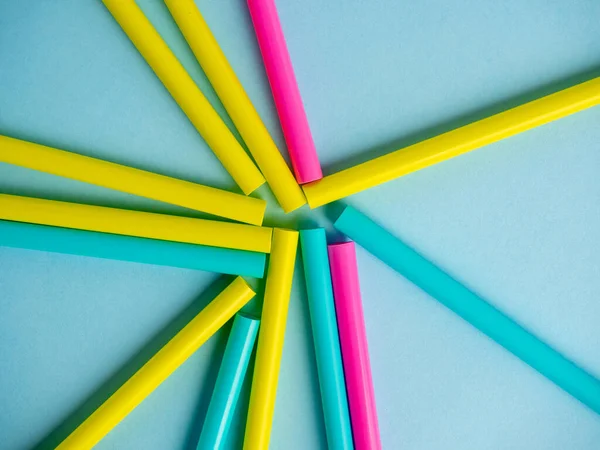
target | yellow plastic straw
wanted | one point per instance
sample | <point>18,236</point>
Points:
<point>134,181</point>
<point>453,143</point>
<point>185,92</point>
<point>270,339</point>
<point>135,223</point>
<point>159,367</point>
<point>236,102</point>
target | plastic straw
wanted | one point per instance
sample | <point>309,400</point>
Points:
<point>471,307</point>
<point>453,143</point>
<point>326,339</point>
<point>237,103</point>
<point>127,248</point>
<point>133,181</point>
<point>286,94</point>
<point>229,383</point>
<point>185,92</point>
<point>135,223</point>
<point>159,367</point>
<point>355,350</point>
<point>270,339</point>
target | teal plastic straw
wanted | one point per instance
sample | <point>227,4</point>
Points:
<point>326,339</point>
<point>128,248</point>
<point>471,307</point>
<point>229,383</point>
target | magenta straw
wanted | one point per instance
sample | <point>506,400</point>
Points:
<point>286,95</point>
<point>353,342</point>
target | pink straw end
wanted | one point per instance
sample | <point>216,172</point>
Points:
<point>286,94</point>
<point>353,342</point>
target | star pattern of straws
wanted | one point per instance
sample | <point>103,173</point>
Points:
<point>242,246</point>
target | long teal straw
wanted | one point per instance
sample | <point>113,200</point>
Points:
<point>326,339</point>
<point>471,307</point>
<point>128,248</point>
<point>229,383</point>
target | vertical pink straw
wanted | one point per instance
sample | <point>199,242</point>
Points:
<point>288,102</point>
<point>353,342</point>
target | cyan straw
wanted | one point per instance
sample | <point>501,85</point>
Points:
<point>326,339</point>
<point>471,307</point>
<point>229,383</point>
<point>129,248</point>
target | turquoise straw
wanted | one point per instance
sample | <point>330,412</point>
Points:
<point>326,339</point>
<point>471,307</point>
<point>229,383</point>
<point>128,248</point>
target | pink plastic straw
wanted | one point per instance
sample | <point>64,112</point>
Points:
<point>353,342</point>
<point>288,102</point>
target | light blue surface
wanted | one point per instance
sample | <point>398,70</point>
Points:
<point>228,386</point>
<point>319,293</point>
<point>468,305</point>
<point>516,222</point>
<point>133,249</point>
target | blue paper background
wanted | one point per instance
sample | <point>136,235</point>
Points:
<point>517,221</point>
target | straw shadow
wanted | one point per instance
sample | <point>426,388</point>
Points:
<point>87,407</point>
<point>462,120</point>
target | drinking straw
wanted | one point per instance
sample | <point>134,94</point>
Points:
<point>286,94</point>
<point>135,223</point>
<point>134,249</point>
<point>133,181</point>
<point>453,143</point>
<point>471,307</point>
<point>280,273</point>
<point>355,350</point>
<point>229,383</point>
<point>185,92</point>
<point>159,367</point>
<point>326,339</point>
<point>237,103</point>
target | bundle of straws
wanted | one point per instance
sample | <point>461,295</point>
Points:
<point>240,246</point>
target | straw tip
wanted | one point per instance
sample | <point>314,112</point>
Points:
<point>341,245</point>
<point>311,231</point>
<point>346,210</point>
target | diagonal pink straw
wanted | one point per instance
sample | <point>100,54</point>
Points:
<point>286,95</point>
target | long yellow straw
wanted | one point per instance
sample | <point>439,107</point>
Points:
<point>159,367</point>
<point>236,102</point>
<point>453,143</point>
<point>270,339</point>
<point>134,181</point>
<point>135,223</point>
<point>185,92</point>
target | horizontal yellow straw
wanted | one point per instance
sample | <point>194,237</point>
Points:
<point>185,92</point>
<point>159,367</point>
<point>135,223</point>
<point>133,181</point>
<point>453,143</point>
<point>236,102</point>
<point>270,339</point>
